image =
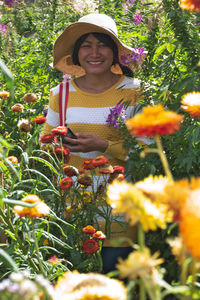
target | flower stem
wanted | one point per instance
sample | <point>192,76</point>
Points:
<point>194,276</point>
<point>163,158</point>
<point>141,242</point>
<point>37,250</point>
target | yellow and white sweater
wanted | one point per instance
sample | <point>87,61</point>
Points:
<point>87,113</point>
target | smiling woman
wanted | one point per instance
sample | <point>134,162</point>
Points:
<point>91,51</point>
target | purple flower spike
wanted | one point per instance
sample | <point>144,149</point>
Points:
<point>116,114</point>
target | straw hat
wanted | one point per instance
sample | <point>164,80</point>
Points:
<point>64,45</point>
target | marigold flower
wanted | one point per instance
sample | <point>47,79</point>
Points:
<point>4,94</point>
<point>87,164</point>
<point>47,138</point>
<point>54,260</point>
<point>190,5</point>
<point>99,235</point>
<point>154,120</point>
<point>191,104</point>
<point>30,97</point>
<point>18,107</point>
<point>90,246</point>
<point>59,130</point>
<point>66,183</point>
<point>39,120</point>
<point>39,210</point>
<point>85,179</point>
<point>13,159</point>
<point>126,198</point>
<point>89,229</point>
<point>138,263</point>
<point>90,286</point>
<point>100,161</point>
<point>69,170</point>
<point>62,152</point>
<point>190,222</point>
<point>24,125</point>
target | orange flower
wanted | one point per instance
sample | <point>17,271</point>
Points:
<point>154,120</point>
<point>60,130</point>
<point>39,210</point>
<point>89,229</point>
<point>13,159</point>
<point>18,107</point>
<point>190,5</point>
<point>54,260</point>
<point>87,164</point>
<point>30,97</point>
<point>99,235</point>
<point>69,170</point>
<point>39,120</point>
<point>47,138</point>
<point>4,94</point>
<point>191,104</point>
<point>190,222</point>
<point>100,161</point>
<point>90,246</point>
<point>66,183</point>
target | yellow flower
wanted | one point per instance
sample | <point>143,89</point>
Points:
<point>190,5</point>
<point>12,159</point>
<point>39,210</point>
<point>91,286</point>
<point>190,222</point>
<point>191,104</point>
<point>138,264</point>
<point>154,120</point>
<point>127,198</point>
<point>4,94</point>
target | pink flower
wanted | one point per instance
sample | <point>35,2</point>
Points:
<point>138,18</point>
<point>3,29</point>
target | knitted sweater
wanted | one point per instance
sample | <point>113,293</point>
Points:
<point>87,113</point>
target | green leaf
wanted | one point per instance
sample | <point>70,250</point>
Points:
<point>17,202</point>
<point>5,257</point>
<point>45,162</point>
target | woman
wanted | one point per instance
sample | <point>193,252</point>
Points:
<point>91,50</point>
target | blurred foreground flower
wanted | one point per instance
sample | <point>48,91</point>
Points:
<point>127,198</point>
<point>39,210</point>
<point>18,107</point>
<point>190,5</point>
<point>154,120</point>
<point>138,264</point>
<point>91,286</point>
<point>191,103</point>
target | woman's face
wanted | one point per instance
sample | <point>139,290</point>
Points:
<point>94,56</point>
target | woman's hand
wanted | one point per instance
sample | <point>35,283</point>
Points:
<point>85,142</point>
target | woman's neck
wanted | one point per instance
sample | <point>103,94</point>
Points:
<point>96,84</point>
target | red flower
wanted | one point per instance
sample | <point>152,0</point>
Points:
<point>87,164</point>
<point>100,161</point>
<point>89,229</point>
<point>60,130</point>
<point>66,183</point>
<point>62,152</point>
<point>69,170</point>
<point>90,246</point>
<point>190,5</point>
<point>99,235</point>
<point>47,138</point>
<point>118,169</point>
<point>39,120</point>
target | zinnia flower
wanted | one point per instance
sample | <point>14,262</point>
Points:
<point>66,183</point>
<point>47,138</point>
<point>4,94</point>
<point>99,235</point>
<point>100,161</point>
<point>90,286</point>
<point>191,103</point>
<point>70,170</point>
<point>87,164</point>
<point>138,264</point>
<point>39,210</point>
<point>90,246</point>
<point>190,5</point>
<point>30,97</point>
<point>118,169</point>
<point>89,229</point>
<point>39,120</point>
<point>62,152</point>
<point>18,107</point>
<point>85,179</point>
<point>24,125</point>
<point>190,222</point>
<point>154,120</point>
<point>12,159</point>
<point>59,130</point>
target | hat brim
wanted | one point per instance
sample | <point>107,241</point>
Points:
<point>64,46</point>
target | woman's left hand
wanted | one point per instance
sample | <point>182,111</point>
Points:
<point>85,142</point>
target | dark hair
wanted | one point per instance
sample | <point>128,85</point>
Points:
<point>108,41</point>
